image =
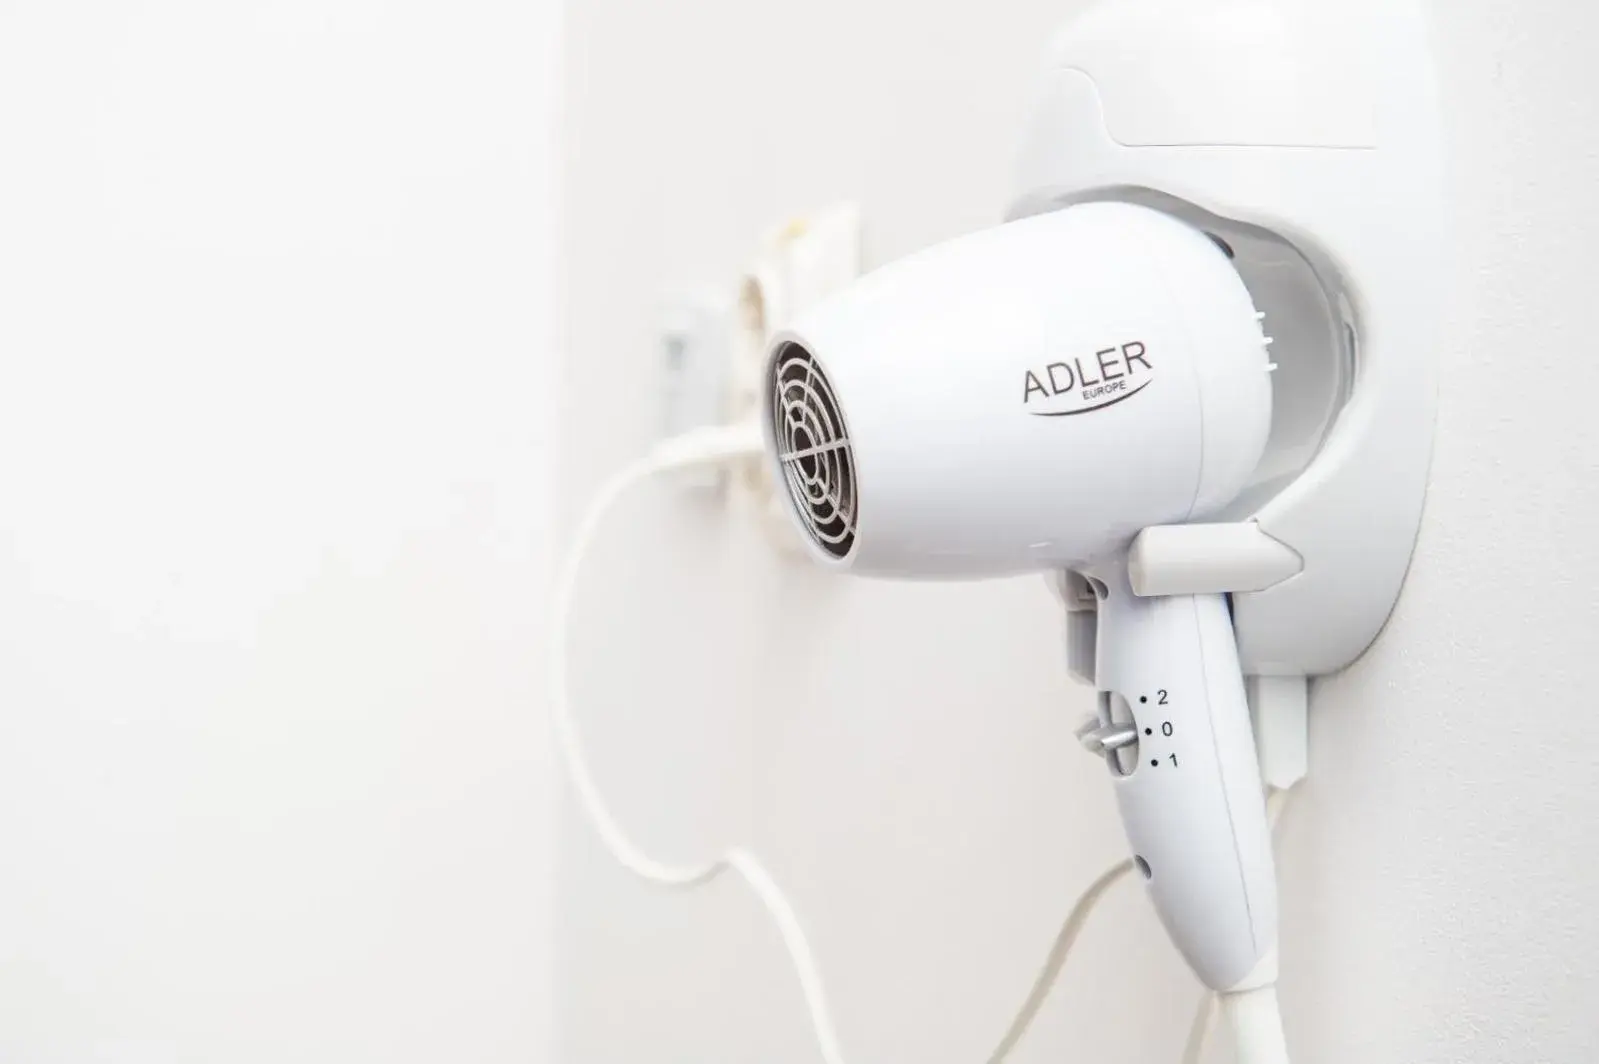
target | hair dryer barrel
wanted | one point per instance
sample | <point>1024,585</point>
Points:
<point>1026,397</point>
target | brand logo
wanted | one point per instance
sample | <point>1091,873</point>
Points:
<point>1088,382</point>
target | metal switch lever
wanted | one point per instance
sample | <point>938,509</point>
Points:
<point>1104,739</point>
<point>1116,740</point>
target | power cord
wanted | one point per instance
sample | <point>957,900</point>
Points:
<point>1257,1025</point>
<point>714,446</point>
<point>1086,903</point>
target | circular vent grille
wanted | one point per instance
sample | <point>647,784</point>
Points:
<point>813,449</point>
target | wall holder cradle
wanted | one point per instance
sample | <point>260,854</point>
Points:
<point>1305,139</point>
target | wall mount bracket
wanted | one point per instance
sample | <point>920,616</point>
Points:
<point>1305,139</point>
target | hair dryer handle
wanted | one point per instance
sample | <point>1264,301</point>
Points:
<point>1187,780</point>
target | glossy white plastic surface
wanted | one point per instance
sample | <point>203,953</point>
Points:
<point>1193,805</point>
<point>1191,559</point>
<point>1029,397</point>
<point>1307,135</point>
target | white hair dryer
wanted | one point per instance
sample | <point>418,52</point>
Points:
<point>1030,397</point>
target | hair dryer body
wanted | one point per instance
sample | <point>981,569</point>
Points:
<point>1030,397</point>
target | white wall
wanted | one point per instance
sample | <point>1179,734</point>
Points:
<point>902,753</point>
<point>275,307</point>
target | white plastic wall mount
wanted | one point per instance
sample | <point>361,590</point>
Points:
<point>1305,138</point>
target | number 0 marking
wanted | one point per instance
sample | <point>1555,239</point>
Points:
<point>1165,728</point>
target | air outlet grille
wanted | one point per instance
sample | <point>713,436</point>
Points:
<point>813,449</point>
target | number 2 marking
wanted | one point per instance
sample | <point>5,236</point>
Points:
<point>1162,699</point>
